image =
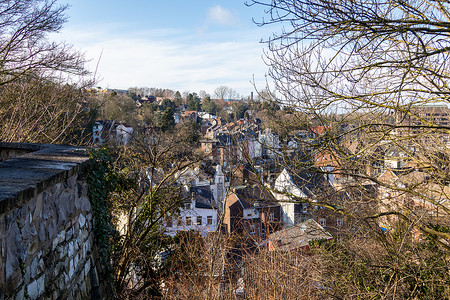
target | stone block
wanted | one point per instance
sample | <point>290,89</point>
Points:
<point>26,274</point>
<point>71,248</point>
<point>87,268</point>
<point>48,209</point>
<point>12,247</point>
<point>37,213</point>
<point>36,288</point>
<point>81,220</point>
<point>56,189</point>
<point>52,229</point>
<point>66,281</point>
<point>71,270</point>
<point>20,295</point>
<point>62,250</point>
<point>84,234</point>
<point>42,232</point>
<point>69,233</point>
<point>72,181</point>
<point>59,239</point>
<point>37,266</point>
<point>76,260</point>
<point>85,204</point>
<point>28,231</point>
<point>66,206</point>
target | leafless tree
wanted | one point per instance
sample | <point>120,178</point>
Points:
<point>24,45</point>
<point>34,98</point>
<point>361,69</point>
<point>223,92</point>
<point>372,79</point>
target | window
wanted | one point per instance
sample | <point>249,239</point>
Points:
<point>252,228</point>
<point>209,220</point>
<point>169,222</point>
<point>305,208</point>
<point>188,221</point>
<point>339,222</point>
<point>272,217</point>
<point>323,222</point>
<point>179,222</point>
<point>199,220</point>
<point>187,205</point>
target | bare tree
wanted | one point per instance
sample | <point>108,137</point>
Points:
<point>371,78</point>
<point>36,104</point>
<point>24,47</point>
<point>362,69</point>
<point>141,209</point>
<point>223,92</point>
<point>39,110</point>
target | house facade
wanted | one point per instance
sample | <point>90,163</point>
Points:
<point>193,215</point>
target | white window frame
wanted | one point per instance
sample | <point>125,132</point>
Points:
<point>272,216</point>
<point>323,222</point>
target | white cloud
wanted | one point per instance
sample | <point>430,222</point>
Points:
<point>221,16</point>
<point>164,59</point>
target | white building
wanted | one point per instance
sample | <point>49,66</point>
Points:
<point>291,188</point>
<point>270,143</point>
<point>285,185</point>
<point>220,187</point>
<point>195,216</point>
<point>124,133</point>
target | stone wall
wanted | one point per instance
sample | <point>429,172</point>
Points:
<point>11,150</point>
<point>46,226</point>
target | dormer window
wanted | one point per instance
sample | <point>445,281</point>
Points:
<point>304,208</point>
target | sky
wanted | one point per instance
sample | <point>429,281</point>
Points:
<point>183,45</point>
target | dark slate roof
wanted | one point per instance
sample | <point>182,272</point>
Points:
<point>248,195</point>
<point>202,205</point>
<point>310,182</point>
<point>202,196</point>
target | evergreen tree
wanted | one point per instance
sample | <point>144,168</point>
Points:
<point>209,106</point>
<point>193,102</point>
<point>167,119</point>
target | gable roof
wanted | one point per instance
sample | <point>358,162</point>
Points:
<point>298,236</point>
<point>251,194</point>
<point>202,196</point>
<point>309,182</point>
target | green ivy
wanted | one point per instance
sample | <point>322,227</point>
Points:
<point>101,179</point>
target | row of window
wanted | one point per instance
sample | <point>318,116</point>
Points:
<point>188,221</point>
<point>323,222</point>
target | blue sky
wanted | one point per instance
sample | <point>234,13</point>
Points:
<point>181,45</point>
